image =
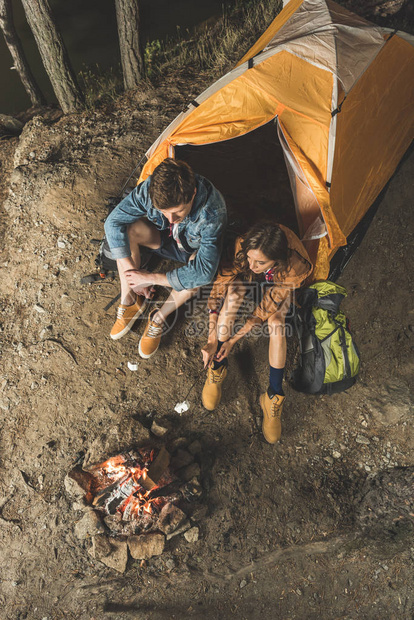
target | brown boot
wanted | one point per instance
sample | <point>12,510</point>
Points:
<point>211,395</point>
<point>272,410</point>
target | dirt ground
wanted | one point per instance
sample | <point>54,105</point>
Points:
<point>284,536</point>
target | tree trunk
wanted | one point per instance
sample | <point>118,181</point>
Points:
<point>54,55</point>
<point>132,57</point>
<point>17,53</point>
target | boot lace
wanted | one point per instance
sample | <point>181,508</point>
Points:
<point>276,409</point>
<point>215,376</point>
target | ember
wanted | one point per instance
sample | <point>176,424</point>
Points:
<point>129,484</point>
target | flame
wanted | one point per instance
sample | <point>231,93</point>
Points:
<point>147,507</point>
<point>138,503</point>
<point>113,470</point>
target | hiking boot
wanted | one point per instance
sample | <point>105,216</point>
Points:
<point>272,406</point>
<point>126,317</point>
<point>150,339</point>
<point>211,394</point>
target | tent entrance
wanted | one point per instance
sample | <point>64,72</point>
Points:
<point>250,171</point>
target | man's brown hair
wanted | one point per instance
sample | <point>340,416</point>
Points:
<point>172,184</point>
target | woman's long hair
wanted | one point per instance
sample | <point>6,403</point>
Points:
<point>269,239</point>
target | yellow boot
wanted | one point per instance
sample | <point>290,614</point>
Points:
<point>211,395</point>
<point>272,410</point>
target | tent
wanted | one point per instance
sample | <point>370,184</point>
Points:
<point>307,128</point>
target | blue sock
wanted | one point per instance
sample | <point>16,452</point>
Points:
<point>217,364</point>
<point>275,380</point>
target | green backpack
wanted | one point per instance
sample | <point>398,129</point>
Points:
<point>329,358</point>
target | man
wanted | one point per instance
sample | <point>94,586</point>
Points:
<point>178,215</point>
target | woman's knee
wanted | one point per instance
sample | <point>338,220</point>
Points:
<point>276,324</point>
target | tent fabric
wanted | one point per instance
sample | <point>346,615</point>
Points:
<point>329,36</point>
<point>340,91</point>
<point>382,97</point>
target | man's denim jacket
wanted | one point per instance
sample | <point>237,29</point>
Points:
<point>202,231</point>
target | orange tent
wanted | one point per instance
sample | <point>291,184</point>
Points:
<point>323,94</point>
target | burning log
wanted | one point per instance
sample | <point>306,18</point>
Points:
<point>156,470</point>
<point>135,476</point>
<point>113,497</point>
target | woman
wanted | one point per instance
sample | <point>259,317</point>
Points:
<point>271,254</point>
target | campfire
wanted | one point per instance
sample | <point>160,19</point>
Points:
<point>137,500</point>
<point>133,489</point>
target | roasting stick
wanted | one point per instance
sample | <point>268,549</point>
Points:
<point>183,406</point>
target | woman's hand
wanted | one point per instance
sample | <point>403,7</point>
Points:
<point>225,349</point>
<point>208,353</point>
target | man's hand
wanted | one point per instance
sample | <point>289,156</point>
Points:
<point>138,278</point>
<point>141,279</point>
<point>144,291</point>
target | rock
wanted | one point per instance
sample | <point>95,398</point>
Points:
<point>10,126</point>
<point>113,552</point>
<point>115,523</point>
<point>329,460</point>
<point>89,525</point>
<point>39,309</point>
<point>78,483</point>
<point>336,454</point>
<point>46,332</point>
<point>127,434</point>
<point>195,447</point>
<point>170,518</point>
<point>382,8</point>
<point>199,512</point>
<point>181,458</point>
<point>362,440</point>
<point>192,535</point>
<point>192,471</point>
<point>80,505</point>
<point>177,443</point>
<point>158,430</point>
<point>192,489</point>
<point>182,528</point>
<point>146,546</point>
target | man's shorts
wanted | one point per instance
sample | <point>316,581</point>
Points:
<point>169,249</point>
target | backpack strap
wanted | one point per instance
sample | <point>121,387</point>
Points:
<point>342,341</point>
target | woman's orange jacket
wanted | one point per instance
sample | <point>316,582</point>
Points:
<point>299,268</point>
